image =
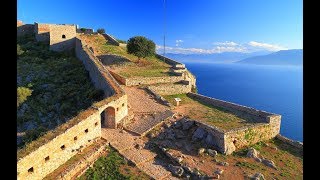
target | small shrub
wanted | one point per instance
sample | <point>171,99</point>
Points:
<point>141,46</point>
<point>19,50</point>
<point>101,31</point>
<point>22,95</point>
<point>82,29</point>
<point>121,41</point>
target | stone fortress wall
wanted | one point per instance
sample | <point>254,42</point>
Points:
<point>267,126</point>
<point>47,153</point>
<point>111,39</point>
<point>23,29</point>
<point>44,155</point>
<point>62,37</point>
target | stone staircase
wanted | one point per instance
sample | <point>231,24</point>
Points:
<point>132,148</point>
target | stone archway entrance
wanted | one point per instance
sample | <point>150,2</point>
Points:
<point>108,118</point>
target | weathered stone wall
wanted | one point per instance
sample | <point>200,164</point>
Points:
<point>171,62</point>
<point>172,88</point>
<point>246,136</point>
<point>159,98</point>
<point>62,37</point>
<point>296,144</point>
<point>24,29</point>
<point>134,81</point>
<point>51,155</point>
<point>86,31</point>
<point>267,126</point>
<point>257,114</point>
<point>119,78</point>
<point>79,163</point>
<point>42,32</point>
<point>95,73</point>
<point>111,39</point>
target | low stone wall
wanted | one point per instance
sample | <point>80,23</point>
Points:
<point>171,62</point>
<point>169,89</point>
<point>135,81</point>
<point>257,114</point>
<point>296,144</point>
<point>267,126</point>
<point>57,151</point>
<point>119,78</point>
<point>111,39</point>
<point>79,163</point>
<point>159,98</point>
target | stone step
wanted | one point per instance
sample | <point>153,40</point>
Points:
<point>138,156</point>
<point>155,170</point>
<point>145,123</point>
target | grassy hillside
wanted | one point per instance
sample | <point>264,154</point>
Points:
<point>60,88</point>
<point>144,67</point>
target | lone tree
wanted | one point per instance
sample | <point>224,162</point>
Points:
<point>101,31</point>
<point>141,46</point>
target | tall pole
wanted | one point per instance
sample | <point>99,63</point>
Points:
<point>164,27</point>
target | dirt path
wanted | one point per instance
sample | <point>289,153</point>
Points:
<point>142,102</point>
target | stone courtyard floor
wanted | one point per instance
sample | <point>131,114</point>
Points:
<point>132,148</point>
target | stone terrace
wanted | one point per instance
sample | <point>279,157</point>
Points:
<point>131,147</point>
<point>211,115</point>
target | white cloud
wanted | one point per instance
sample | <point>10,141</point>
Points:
<point>218,49</point>
<point>227,43</point>
<point>178,42</point>
<point>270,47</point>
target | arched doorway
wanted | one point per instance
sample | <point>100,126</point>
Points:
<point>108,118</point>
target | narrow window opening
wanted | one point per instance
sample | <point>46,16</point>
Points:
<point>75,138</point>
<point>117,109</point>
<point>30,170</point>
<point>63,147</point>
<point>96,124</point>
<point>86,131</point>
<point>122,104</point>
<point>63,36</point>
<point>47,158</point>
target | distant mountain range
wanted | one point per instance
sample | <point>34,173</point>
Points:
<point>283,57</point>
<point>226,57</point>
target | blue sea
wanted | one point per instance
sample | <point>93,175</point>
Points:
<point>276,89</point>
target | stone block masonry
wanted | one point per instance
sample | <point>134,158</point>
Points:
<point>24,29</point>
<point>62,37</point>
<point>171,88</point>
<point>227,141</point>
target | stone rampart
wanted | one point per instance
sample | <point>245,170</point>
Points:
<point>111,39</point>
<point>172,88</point>
<point>62,37</point>
<point>296,144</point>
<point>171,62</point>
<point>24,29</point>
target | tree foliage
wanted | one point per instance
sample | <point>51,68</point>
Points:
<point>22,95</point>
<point>141,46</point>
<point>101,31</point>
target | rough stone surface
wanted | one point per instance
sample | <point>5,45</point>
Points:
<point>186,125</point>
<point>211,152</point>
<point>201,151</point>
<point>199,134</point>
<point>269,163</point>
<point>258,176</point>
<point>176,170</point>
<point>252,153</point>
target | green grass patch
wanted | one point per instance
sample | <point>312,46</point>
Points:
<point>113,167</point>
<point>247,165</point>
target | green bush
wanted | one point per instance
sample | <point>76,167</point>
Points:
<point>19,50</point>
<point>121,41</point>
<point>22,94</point>
<point>101,31</point>
<point>82,29</point>
<point>141,46</point>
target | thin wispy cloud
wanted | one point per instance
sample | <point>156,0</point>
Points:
<point>178,42</point>
<point>221,47</point>
<point>270,47</point>
<point>227,43</point>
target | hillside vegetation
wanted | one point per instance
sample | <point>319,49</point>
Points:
<point>52,88</point>
<point>143,67</point>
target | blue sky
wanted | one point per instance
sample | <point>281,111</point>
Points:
<point>192,26</point>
